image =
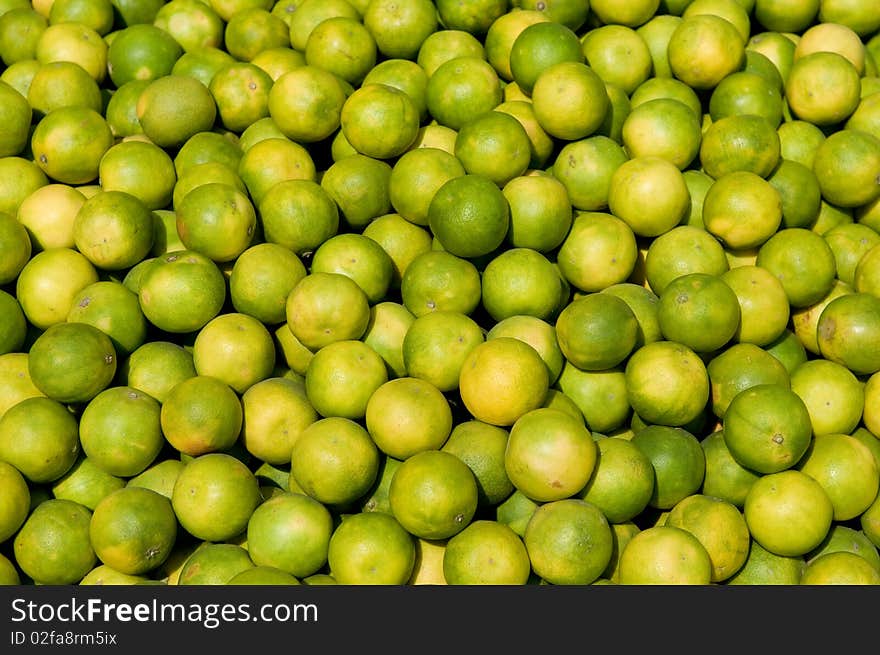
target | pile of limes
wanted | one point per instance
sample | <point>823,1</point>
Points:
<point>425,292</point>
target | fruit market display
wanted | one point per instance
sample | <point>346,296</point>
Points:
<point>404,292</point>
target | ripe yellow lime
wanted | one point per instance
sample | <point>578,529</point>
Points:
<point>683,250</point>
<point>306,103</point>
<point>407,415</point>
<point>570,99</point>
<point>649,194</point>
<point>596,331</point>
<point>327,307</point>
<point>201,414</point>
<point>502,379</point>
<point>667,383</point>
<point>521,282</point>
<point>379,121</point>
<point>298,214</point>
<point>721,528</point>
<point>775,512</point>
<point>550,455</point>
<point>495,145</point>
<point>415,178</point>
<point>846,470</point>
<point>704,49</point>
<point>664,555</point>
<point>678,460</point>
<point>235,348</point>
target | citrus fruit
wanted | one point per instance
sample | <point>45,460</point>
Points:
<point>201,414</point>
<point>214,496</point>
<point>486,552</point>
<point>371,548</point>
<point>334,461</point>
<point>845,327</point>
<point>133,530</point>
<point>776,512</point>
<point>15,507</point>
<point>437,280</point>
<point>306,103</point>
<point>399,29</point>
<point>461,89</point>
<point>600,397</point>
<point>822,88</point>
<point>832,393</point>
<point>763,567</point>
<point>290,532</point>
<point>663,127</point>
<point>415,178</point>
<point>437,344</point>
<point>725,478</point>
<point>721,528</point>
<point>664,555</point>
<point>667,383</point>
<point>550,455</point>
<point>683,250</point>
<point>502,379</point>
<point>704,49</point>
<point>388,325</point>
<point>678,460</point>
<point>569,541</point>
<point>155,367</point>
<point>740,142</point>
<point>540,212</point>
<point>802,261</point>
<point>52,547</point>
<point>698,310</point>
<point>298,214</point>
<point>120,430</point>
<point>569,99</point>
<point>327,307</point>
<point>262,277</point>
<point>469,215</point>
<point>181,291</point>
<point>622,480</point>
<point>72,362</point>
<point>585,167</point>
<point>69,142</point>
<point>360,187</point>
<point>596,331</point>
<point>495,145</point>
<point>113,229</point>
<point>846,470</point>
<point>213,564</point>
<point>649,194</point>
<point>407,415</point>
<point>520,282</point>
<point>342,376</point>
<point>433,494</point>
